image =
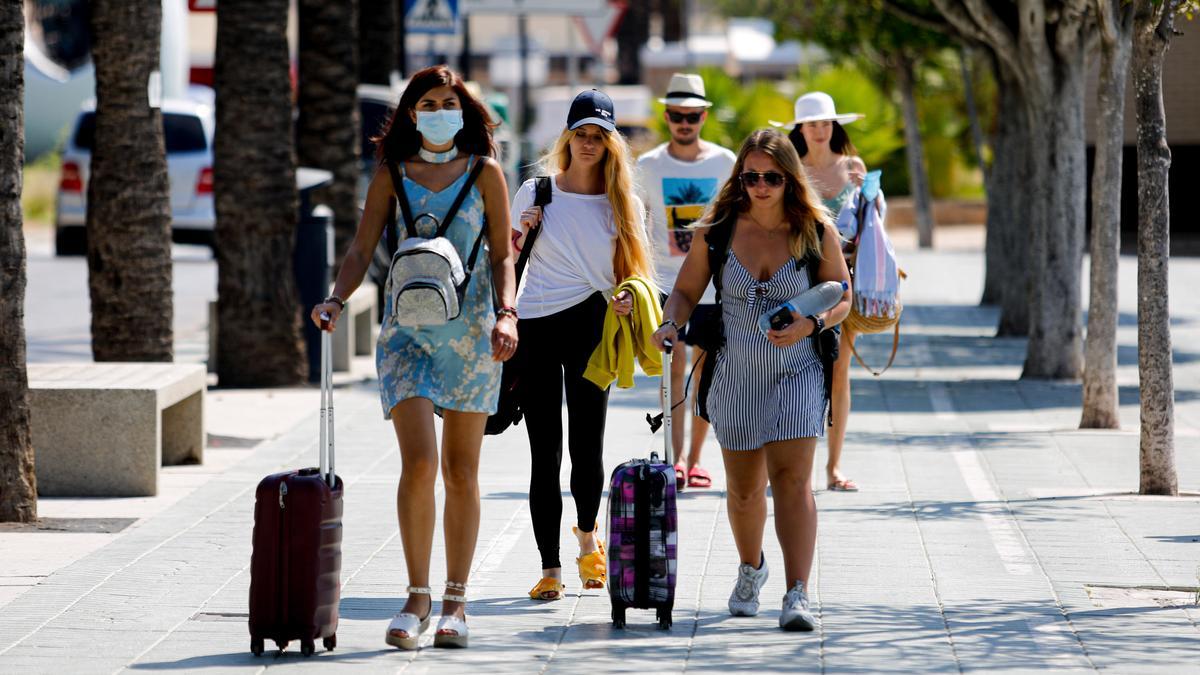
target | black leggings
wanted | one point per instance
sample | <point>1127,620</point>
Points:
<point>556,350</point>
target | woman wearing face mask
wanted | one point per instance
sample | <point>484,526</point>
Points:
<point>593,238</point>
<point>433,141</point>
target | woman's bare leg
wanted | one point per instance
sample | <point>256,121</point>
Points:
<point>789,468</point>
<point>415,506</point>
<point>840,404</point>
<point>462,437</point>
<point>746,485</point>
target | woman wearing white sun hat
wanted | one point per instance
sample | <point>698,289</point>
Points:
<point>835,170</point>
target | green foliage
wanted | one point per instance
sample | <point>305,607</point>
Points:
<point>738,110</point>
<point>39,188</point>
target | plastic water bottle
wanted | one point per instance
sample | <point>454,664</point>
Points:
<point>815,300</point>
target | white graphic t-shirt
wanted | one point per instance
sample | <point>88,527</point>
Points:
<point>677,193</point>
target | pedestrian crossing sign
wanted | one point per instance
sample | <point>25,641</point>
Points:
<point>431,16</point>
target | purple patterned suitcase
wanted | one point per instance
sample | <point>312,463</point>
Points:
<point>642,530</point>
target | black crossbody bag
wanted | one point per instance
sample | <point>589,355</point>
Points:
<point>508,409</point>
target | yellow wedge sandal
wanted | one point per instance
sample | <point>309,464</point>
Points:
<point>547,589</point>
<point>593,567</point>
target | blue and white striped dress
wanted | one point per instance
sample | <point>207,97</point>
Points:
<point>762,393</point>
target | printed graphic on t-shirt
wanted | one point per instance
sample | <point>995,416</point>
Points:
<point>685,200</point>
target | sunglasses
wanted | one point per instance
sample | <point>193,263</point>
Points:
<point>771,178</point>
<point>677,117</point>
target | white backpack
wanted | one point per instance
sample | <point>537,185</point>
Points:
<point>427,279</point>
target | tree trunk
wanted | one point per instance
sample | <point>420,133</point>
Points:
<point>1006,275</point>
<point>1152,32</point>
<point>1057,187</point>
<point>254,171</point>
<point>964,59</point>
<point>129,209</point>
<point>1100,400</point>
<point>918,179</point>
<point>327,128</point>
<point>18,483</point>
<point>631,36</point>
<point>674,23</point>
<point>377,40</point>
<point>401,41</point>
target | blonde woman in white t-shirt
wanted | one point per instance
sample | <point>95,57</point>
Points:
<point>593,238</point>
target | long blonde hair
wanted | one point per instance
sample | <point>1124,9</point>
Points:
<point>632,256</point>
<point>802,210</point>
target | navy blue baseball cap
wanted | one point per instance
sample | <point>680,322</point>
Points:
<point>592,107</point>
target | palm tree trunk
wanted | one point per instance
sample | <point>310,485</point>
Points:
<point>254,172</point>
<point>129,210</point>
<point>327,128</point>
<point>631,35</point>
<point>918,179</point>
<point>674,23</point>
<point>1100,400</point>
<point>18,483</point>
<point>1152,33</point>
<point>376,40</point>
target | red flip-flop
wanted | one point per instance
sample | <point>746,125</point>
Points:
<point>680,476</point>
<point>699,478</point>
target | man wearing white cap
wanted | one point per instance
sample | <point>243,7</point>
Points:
<point>679,178</point>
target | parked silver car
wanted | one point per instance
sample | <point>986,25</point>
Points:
<point>188,128</point>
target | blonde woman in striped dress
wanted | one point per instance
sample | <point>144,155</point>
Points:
<point>767,401</point>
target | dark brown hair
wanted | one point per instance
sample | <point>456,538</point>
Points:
<point>802,208</point>
<point>839,142</point>
<point>400,138</point>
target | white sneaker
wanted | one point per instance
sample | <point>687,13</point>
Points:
<point>795,614</point>
<point>743,601</point>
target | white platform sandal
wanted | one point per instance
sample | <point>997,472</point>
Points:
<point>451,630</point>
<point>405,629</point>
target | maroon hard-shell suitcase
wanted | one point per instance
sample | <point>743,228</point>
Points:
<point>295,568</point>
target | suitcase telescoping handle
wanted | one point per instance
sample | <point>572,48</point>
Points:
<point>325,445</point>
<point>668,445</point>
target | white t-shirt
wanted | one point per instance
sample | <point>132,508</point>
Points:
<point>677,193</point>
<point>573,256</point>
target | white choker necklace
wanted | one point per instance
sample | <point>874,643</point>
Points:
<point>437,157</point>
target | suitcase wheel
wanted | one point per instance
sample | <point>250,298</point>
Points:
<point>281,644</point>
<point>618,616</point>
<point>307,647</point>
<point>330,642</point>
<point>664,618</point>
<point>256,646</point>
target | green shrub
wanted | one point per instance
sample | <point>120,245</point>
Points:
<point>40,186</point>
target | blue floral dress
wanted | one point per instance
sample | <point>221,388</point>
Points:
<point>451,364</point>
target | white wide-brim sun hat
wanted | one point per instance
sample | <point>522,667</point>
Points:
<point>817,107</point>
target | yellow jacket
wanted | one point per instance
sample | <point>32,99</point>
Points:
<point>626,337</point>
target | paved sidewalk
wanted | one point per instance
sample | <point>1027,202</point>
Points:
<point>989,535</point>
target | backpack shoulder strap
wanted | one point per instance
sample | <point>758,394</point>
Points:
<point>542,195</point>
<point>474,172</point>
<point>402,199</point>
<point>813,261</point>
<point>719,239</point>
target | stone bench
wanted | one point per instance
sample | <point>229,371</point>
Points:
<point>103,429</point>
<point>355,334</point>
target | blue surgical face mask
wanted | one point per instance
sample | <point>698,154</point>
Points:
<point>439,126</point>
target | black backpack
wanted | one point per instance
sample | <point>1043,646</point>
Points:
<point>711,336</point>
